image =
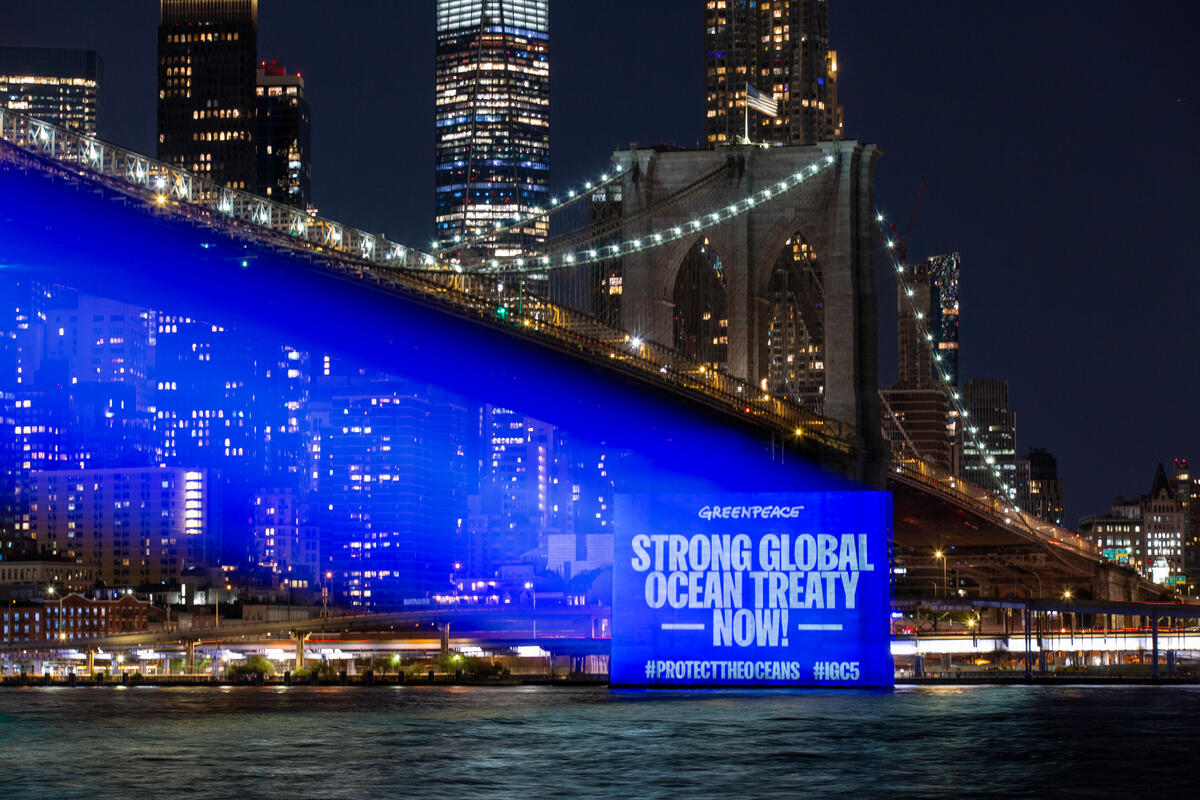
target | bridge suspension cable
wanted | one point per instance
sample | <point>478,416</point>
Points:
<point>919,319</point>
<point>167,183</point>
<point>607,229</point>
<point>660,237</point>
<point>1002,502</point>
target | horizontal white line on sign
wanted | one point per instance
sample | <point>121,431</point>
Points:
<point>683,626</point>
<point>834,627</point>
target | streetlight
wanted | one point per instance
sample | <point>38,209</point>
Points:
<point>325,594</point>
<point>945,586</point>
<point>50,590</point>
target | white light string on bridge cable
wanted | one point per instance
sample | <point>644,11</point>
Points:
<point>572,196</point>
<point>955,396</point>
<point>601,253</point>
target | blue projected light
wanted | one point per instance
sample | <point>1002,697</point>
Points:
<point>752,590</point>
<point>307,343</point>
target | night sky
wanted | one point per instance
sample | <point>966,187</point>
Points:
<point>1057,139</point>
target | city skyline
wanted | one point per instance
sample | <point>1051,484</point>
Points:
<point>999,284</point>
<point>850,347</point>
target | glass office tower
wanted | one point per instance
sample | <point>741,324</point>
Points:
<point>493,121</point>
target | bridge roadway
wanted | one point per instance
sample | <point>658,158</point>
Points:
<point>986,540</point>
<point>1004,551</point>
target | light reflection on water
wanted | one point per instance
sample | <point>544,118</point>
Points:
<point>555,742</point>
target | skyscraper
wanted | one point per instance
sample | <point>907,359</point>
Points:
<point>207,50</point>
<point>392,479</point>
<point>493,120</point>
<point>284,137</point>
<point>919,401</point>
<point>55,84</point>
<point>986,403</point>
<point>780,47</point>
<point>1039,489</point>
<point>943,311</point>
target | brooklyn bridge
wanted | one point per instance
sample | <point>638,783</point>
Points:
<point>650,313</point>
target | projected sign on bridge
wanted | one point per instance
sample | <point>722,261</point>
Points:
<point>752,590</point>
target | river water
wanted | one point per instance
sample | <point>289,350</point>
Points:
<point>439,742</point>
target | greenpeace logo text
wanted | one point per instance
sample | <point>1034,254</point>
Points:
<point>750,512</point>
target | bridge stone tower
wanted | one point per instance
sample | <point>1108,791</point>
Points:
<point>832,212</point>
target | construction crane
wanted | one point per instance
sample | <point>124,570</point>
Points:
<point>902,241</point>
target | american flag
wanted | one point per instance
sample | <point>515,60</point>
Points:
<point>766,103</point>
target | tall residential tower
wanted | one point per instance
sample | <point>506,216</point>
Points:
<point>781,47</point>
<point>493,120</point>
<point>207,51</point>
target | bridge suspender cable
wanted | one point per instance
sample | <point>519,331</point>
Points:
<point>556,204</point>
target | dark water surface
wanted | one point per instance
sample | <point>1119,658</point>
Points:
<point>960,742</point>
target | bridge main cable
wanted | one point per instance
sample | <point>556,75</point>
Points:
<point>658,238</point>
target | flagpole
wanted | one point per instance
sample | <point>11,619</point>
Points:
<point>746,138</point>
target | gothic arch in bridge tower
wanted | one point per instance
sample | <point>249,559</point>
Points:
<point>791,324</point>
<point>700,303</point>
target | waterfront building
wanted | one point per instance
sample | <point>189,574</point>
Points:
<point>492,121</point>
<point>56,84</point>
<point>1118,535</point>
<point>522,462</point>
<point>582,540</point>
<point>284,136</point>
<point>31,577</point>
<point>71,618</point>
<point>79,617</point>
<point>207,50</point>
<point>1163,518</point>
<point>781,48</point>
<point>995,425</point>
<point>1146,532</point>
<point>134,526</point>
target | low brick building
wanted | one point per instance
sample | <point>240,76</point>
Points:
<point>73,618</point>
